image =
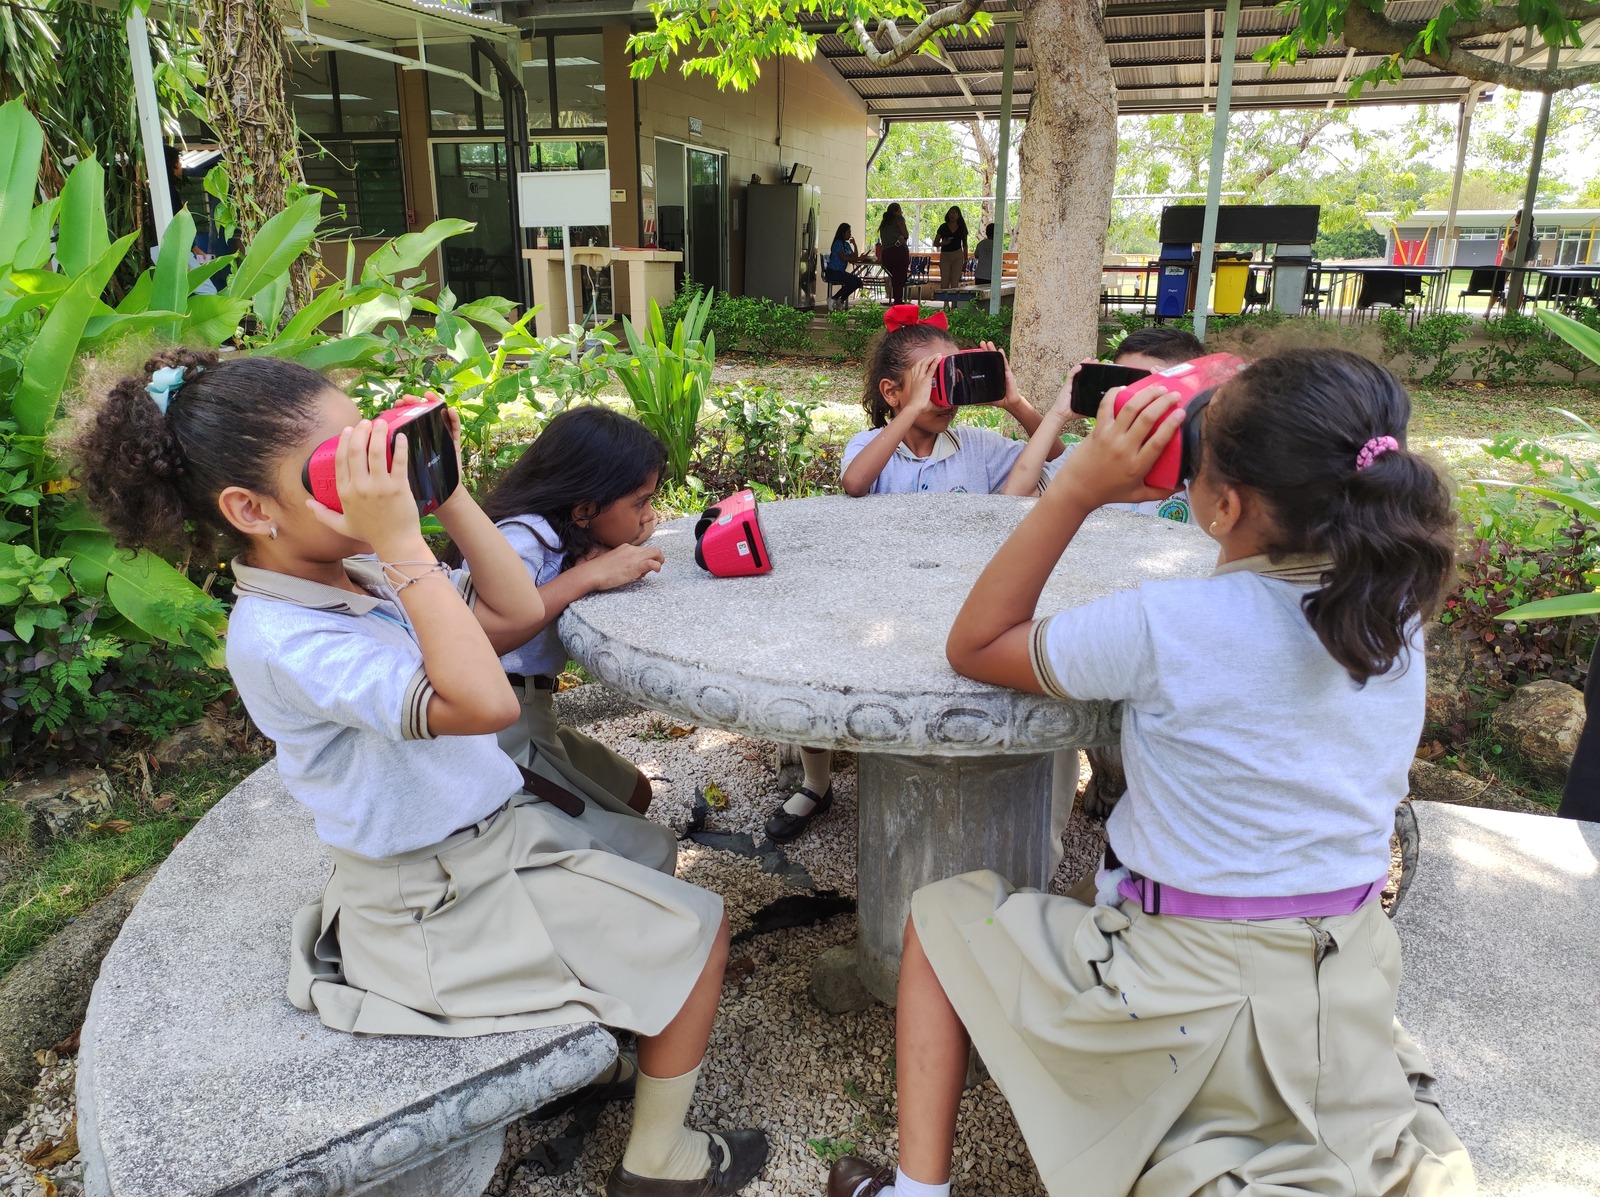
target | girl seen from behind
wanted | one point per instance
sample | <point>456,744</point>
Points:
<point>1215,1014</point>
<point>576,507</point>
<point>459,904</point>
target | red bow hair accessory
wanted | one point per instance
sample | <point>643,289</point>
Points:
<point>904,315</point>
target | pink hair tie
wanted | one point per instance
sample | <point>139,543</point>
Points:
<point>1374,449</point>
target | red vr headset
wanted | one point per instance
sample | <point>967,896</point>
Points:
<point>1194,382</point>
<point>431,469</point>
<point>728,540</point>
<point>969,378</point>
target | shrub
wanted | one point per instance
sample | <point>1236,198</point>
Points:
<point>763,439</point>
<point>744,322</point>
<point>1516,349</point>
<point>854,328</point>
<point>971,323</point>
<point>1433,340</point>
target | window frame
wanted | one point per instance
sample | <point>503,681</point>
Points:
<point>556,131</point>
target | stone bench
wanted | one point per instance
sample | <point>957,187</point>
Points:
<point>1500,983</point>
<point>197,1077</point>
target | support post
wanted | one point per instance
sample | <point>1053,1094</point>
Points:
<point>1219,146</point>
<point>144,93</point>
<point>1463,136</point>
<point>1527,238</point>
<point>997,250</point>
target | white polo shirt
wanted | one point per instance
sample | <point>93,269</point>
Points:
<point>335,679</point>
<point>1256,767</point>
<point>965,460</point>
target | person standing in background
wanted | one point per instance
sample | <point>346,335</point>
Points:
<point>894,251</point>
<point>983,257</point>
<point>950,239</point>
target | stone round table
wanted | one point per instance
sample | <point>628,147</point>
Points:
<point>842,646</point>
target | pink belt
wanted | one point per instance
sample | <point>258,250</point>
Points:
<point>1155,898</point>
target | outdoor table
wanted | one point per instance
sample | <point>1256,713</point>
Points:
<point>842,646</point>
<point>1388,284</point>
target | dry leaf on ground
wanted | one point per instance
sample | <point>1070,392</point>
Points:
<point>679,730</point>
<point>51,1155</point>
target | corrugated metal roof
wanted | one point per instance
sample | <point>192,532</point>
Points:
<point>1161,62</point>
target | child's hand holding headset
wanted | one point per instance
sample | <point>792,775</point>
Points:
<point>376,496</point>
<point>918,387</point>
<point>452,419</point>
<point>1013,398</point>
<point>1109,465</point>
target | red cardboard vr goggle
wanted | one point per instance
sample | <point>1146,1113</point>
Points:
<point>1194,382</point>
<point>728,540</point>
<point>431,469</point>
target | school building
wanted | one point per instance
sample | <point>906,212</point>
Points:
<point>1566,237</point>
<point>415,110</point>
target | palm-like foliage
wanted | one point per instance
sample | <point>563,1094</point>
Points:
<point>667,378</point>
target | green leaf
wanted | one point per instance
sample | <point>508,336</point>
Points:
<point>1580,336</point>
<point>49,359</point>
<point>170,282</point>
<point>276,246</point>
<point>408,251</point>
<point>145,589</point>
<point>366,316</point>
<point>213,318</point>
<point>82,239</point>
<point>33,251</point>
<point>326,304</point>
<point>9,529</point>
<point>1557,608</point>
<point>326,354</point>
<point>21,151</point>
<point>78,518</point>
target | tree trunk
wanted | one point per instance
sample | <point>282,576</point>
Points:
<point>247,67</point>
<point>988,165</point>
<point>1069,152</point>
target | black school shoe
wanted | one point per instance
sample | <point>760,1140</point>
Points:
<point>728,1171</point>
<point>783,826</point>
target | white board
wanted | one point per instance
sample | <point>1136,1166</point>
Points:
<point>550,199</point>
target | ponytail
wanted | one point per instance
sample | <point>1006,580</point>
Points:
<point>1308,431</point>
<point>152,473</point>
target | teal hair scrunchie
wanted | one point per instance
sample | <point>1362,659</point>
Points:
<point>163,386</point>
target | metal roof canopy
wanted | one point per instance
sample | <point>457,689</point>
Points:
<point>1164,58</point>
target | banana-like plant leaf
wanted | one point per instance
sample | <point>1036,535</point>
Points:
<point>21,151</point>
<point>49,359</point>
<point>1558,608</point>
<point>33,251</point>
<point>213,319</point>
<point>408,251</point>
<point>170,280</point>
<point>144,589</point>
<point>330,354</point>
<point>82,239</point>
<point>108,326</point>
<point>276,245</point>
<point>1580,336</point>
<point>88,561</point>
<point>268,302</point>
<point>324,305</point>
<point>365,317</point>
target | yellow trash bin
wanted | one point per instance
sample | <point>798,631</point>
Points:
<point>1227,292</point>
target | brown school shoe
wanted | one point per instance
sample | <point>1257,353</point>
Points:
<point>848,1172</point>
<point>736,1158</point>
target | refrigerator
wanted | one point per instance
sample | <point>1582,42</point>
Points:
<point>781,241</point>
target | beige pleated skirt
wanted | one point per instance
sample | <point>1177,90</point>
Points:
<point>1173,1057</point>
<point>580,762</point>
<point>532,918</point>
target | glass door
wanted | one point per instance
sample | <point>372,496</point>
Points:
<point>708,218</point>
<point>472,182</point>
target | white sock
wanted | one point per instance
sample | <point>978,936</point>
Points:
<point>818,766</point>
<point>904,1186</point>
<point>661,1146</point>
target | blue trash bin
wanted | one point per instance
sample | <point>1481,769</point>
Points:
<point>1175,277</point>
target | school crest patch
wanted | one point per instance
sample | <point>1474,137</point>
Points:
<point>1175,509</point>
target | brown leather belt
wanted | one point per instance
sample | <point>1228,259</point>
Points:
<point>558,796</point>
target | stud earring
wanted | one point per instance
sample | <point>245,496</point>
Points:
<point>272,532</point>
<point>1213,526</point>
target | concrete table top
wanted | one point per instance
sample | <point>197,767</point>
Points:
<point>197,1077</point>
<point>842,644</point>
<point>1500,972</point>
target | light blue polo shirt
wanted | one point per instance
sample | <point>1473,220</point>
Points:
<point>541,551</point>
<point>965,460</point>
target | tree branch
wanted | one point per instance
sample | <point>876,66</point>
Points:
<point>903,46</point>
<point>1372,33</point>
<point>1502,18</point>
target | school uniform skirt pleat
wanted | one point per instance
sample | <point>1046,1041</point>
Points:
<point>1175,1057</point>
<point>532,918</point>
<point>580,762</point>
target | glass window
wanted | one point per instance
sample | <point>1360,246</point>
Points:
<point>311,93</point>
<point>580,81</point>
<point>536,82</point>
<point>453,106</point>
<point>369,94</point>
<point>365,179</point>
<point>567,155</point>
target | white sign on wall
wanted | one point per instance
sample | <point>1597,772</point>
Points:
<point>558,198</point>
